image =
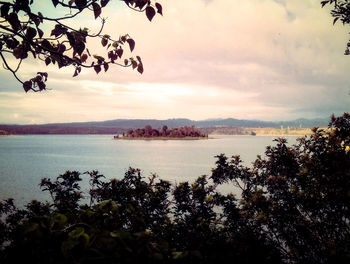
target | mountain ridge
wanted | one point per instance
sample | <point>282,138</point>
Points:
<point>121,125</point>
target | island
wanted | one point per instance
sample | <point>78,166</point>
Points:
<point>163,133</point>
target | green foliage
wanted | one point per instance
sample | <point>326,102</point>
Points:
<point>148,131</point>
<point>293,208</point>
<point>24,32</point>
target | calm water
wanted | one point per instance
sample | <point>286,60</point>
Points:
<point>24,160</point>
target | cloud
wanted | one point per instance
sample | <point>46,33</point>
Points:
<point>267,59</point>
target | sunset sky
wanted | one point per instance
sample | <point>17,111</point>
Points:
<point>251,59</point>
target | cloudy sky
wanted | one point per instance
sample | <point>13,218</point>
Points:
<point>251,59</point>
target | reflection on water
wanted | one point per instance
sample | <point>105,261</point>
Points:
<point>24,160</point>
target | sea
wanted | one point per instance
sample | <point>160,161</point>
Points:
<point>26,159</point>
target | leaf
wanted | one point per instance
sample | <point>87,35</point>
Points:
<point>97,10</point>
<point>41,86</point>
<point>27,86</point>
<point>131,43</point>
<point>79,47</point>
<point>31,32</point>
<point>335,20</point>
<point>140,68</point>
<point>84,57</point>
<point>323,3</point>
<point>159,8</point>
<point>75,73</point>
<point>104,42</point>
<point>133,64</point>
<point>119,52</point>
<point>104,2</point>
<point>55,2</point>
<point>4,10</point>
<point>14,22</point>
<point>97,68</point>
<point>126,62</point>
<point>150,12</point>
<point>105,66</point>
<point>40,33</point>
<point>80,4</point>
<point>47,61</point>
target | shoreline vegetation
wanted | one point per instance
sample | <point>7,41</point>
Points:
<point>163,133</point>
<point>266,131</point>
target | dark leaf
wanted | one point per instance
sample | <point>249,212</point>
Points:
<point>47,61</point>
<point>61,48</point>
<point>126,62</point>
<point>75,73</point>
<point>14,22</point>
<point>31,33</point>
<point>41,86</point>
<point>323,3</point>
<point>4,10</point>
<point>46,44</point>
<point>134,64</point>
<point>159,8</point>
<point>83,57</point>
<point>150,12</point>
<point>335,20</point>
<point>97,68</point>
<point>131,43</point>
<point>105,66</point>
<point>36,20</point>
<point>104,42</point>
<point>55,2</point>
<point>80,4</point>
<point>27,86</point>
<point>79,47</point>
<point>97,9</point>
<point>104,2</point>
<point>119,52</point>
<point>43,74</point>
<point>140,68</point>
<point>40,33</point>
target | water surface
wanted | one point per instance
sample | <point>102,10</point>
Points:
<point>24,160</point>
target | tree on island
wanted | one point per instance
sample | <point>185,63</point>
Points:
<point>148,131</point>
<point>293,208</point>
<point>25,33</point>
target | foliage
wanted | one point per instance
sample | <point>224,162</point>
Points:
<point>340,11</point>
<point>293,208</point>
<point>148,131</point>
<point>25,32</point>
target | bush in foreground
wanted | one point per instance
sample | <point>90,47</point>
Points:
<point>293,208</point>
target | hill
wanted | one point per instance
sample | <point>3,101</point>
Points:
<point>122,125</point>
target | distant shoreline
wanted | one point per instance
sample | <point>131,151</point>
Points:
<point>160,138</point>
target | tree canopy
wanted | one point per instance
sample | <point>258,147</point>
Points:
<point>293,208</point>
<point>25,33</point>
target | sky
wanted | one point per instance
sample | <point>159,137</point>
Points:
<point>253,59</point>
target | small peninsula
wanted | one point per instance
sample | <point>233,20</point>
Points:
<point>163,133</point>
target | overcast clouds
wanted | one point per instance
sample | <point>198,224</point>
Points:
<point>254,59</point>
